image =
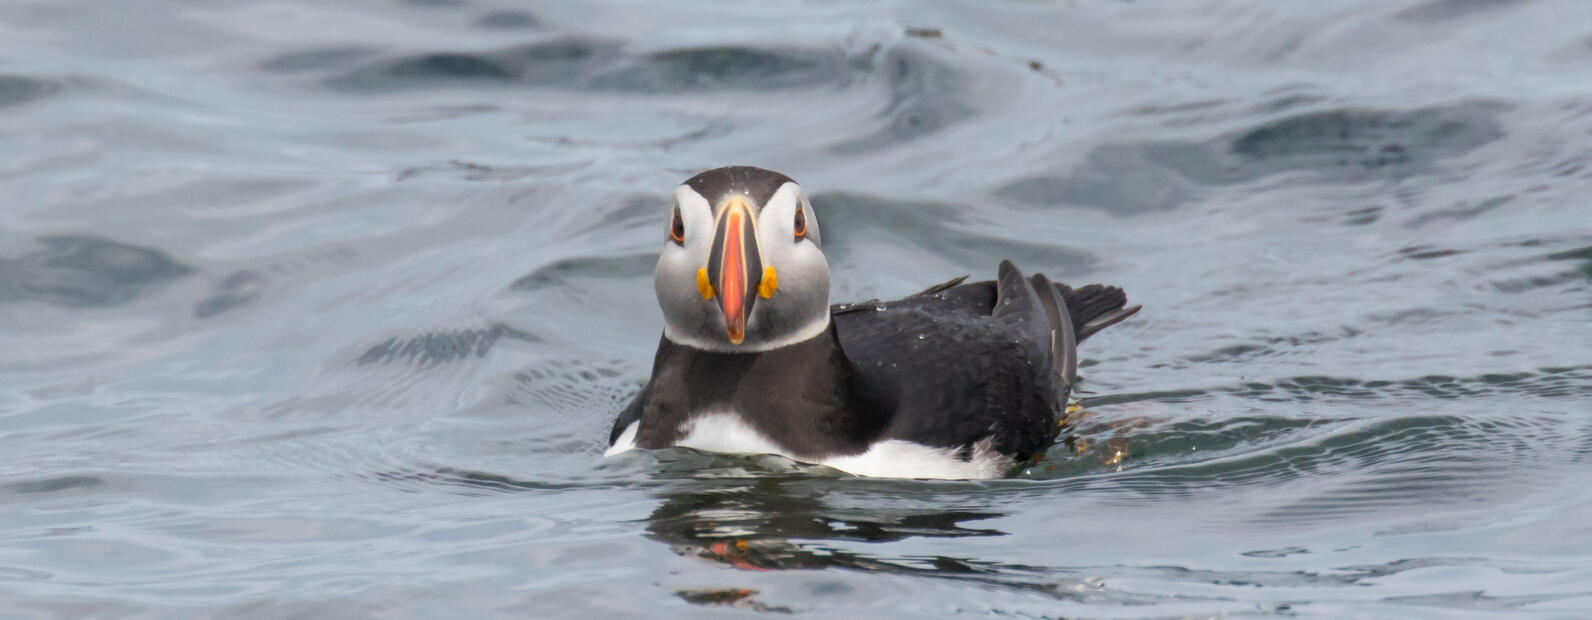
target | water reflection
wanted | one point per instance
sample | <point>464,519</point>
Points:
<point>759,514</point>
<point>784,523</point>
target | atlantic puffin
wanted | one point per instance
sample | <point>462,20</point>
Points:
<point>964,380</point>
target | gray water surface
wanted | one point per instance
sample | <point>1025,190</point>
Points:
<point>323,309</point>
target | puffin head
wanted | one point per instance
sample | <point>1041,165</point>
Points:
<point>741,268</point>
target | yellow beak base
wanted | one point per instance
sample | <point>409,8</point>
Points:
<point>704,286</point>
<point>770,283</point>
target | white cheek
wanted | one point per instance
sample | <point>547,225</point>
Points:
<point>803,292</point>
<point>675,280</point>
<point>776,238</point>
<point>673,261</point>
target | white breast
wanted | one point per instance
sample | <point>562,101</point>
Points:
<point>626,440</point>
<point>726,433</point>
<point>894,458</point>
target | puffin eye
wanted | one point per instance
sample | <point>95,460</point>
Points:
<point>801,223</point>
<point>677,228</point>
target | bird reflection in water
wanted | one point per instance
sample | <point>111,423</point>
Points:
<point>766,513</point>
<point>752,525</point>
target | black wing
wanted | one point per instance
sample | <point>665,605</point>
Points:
<point>963,362</point>
<point>1090,308</point>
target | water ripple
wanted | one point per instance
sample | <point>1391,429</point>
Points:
<point>85,272</point>
<point>17,90</point>
<point>1336,146</point>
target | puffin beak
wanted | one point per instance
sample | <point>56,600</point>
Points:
<point>734,265</point>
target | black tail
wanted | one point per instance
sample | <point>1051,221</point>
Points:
<point>1091,308</point>
<point>1095,307</point>
<point>1063,336</point>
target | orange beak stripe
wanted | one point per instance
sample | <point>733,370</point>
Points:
<point>732,276</point>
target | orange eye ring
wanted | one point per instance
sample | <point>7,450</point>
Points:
<point>677,228</point>
<point>801,223</point>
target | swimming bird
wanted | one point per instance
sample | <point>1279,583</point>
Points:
<point>962,380</point>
